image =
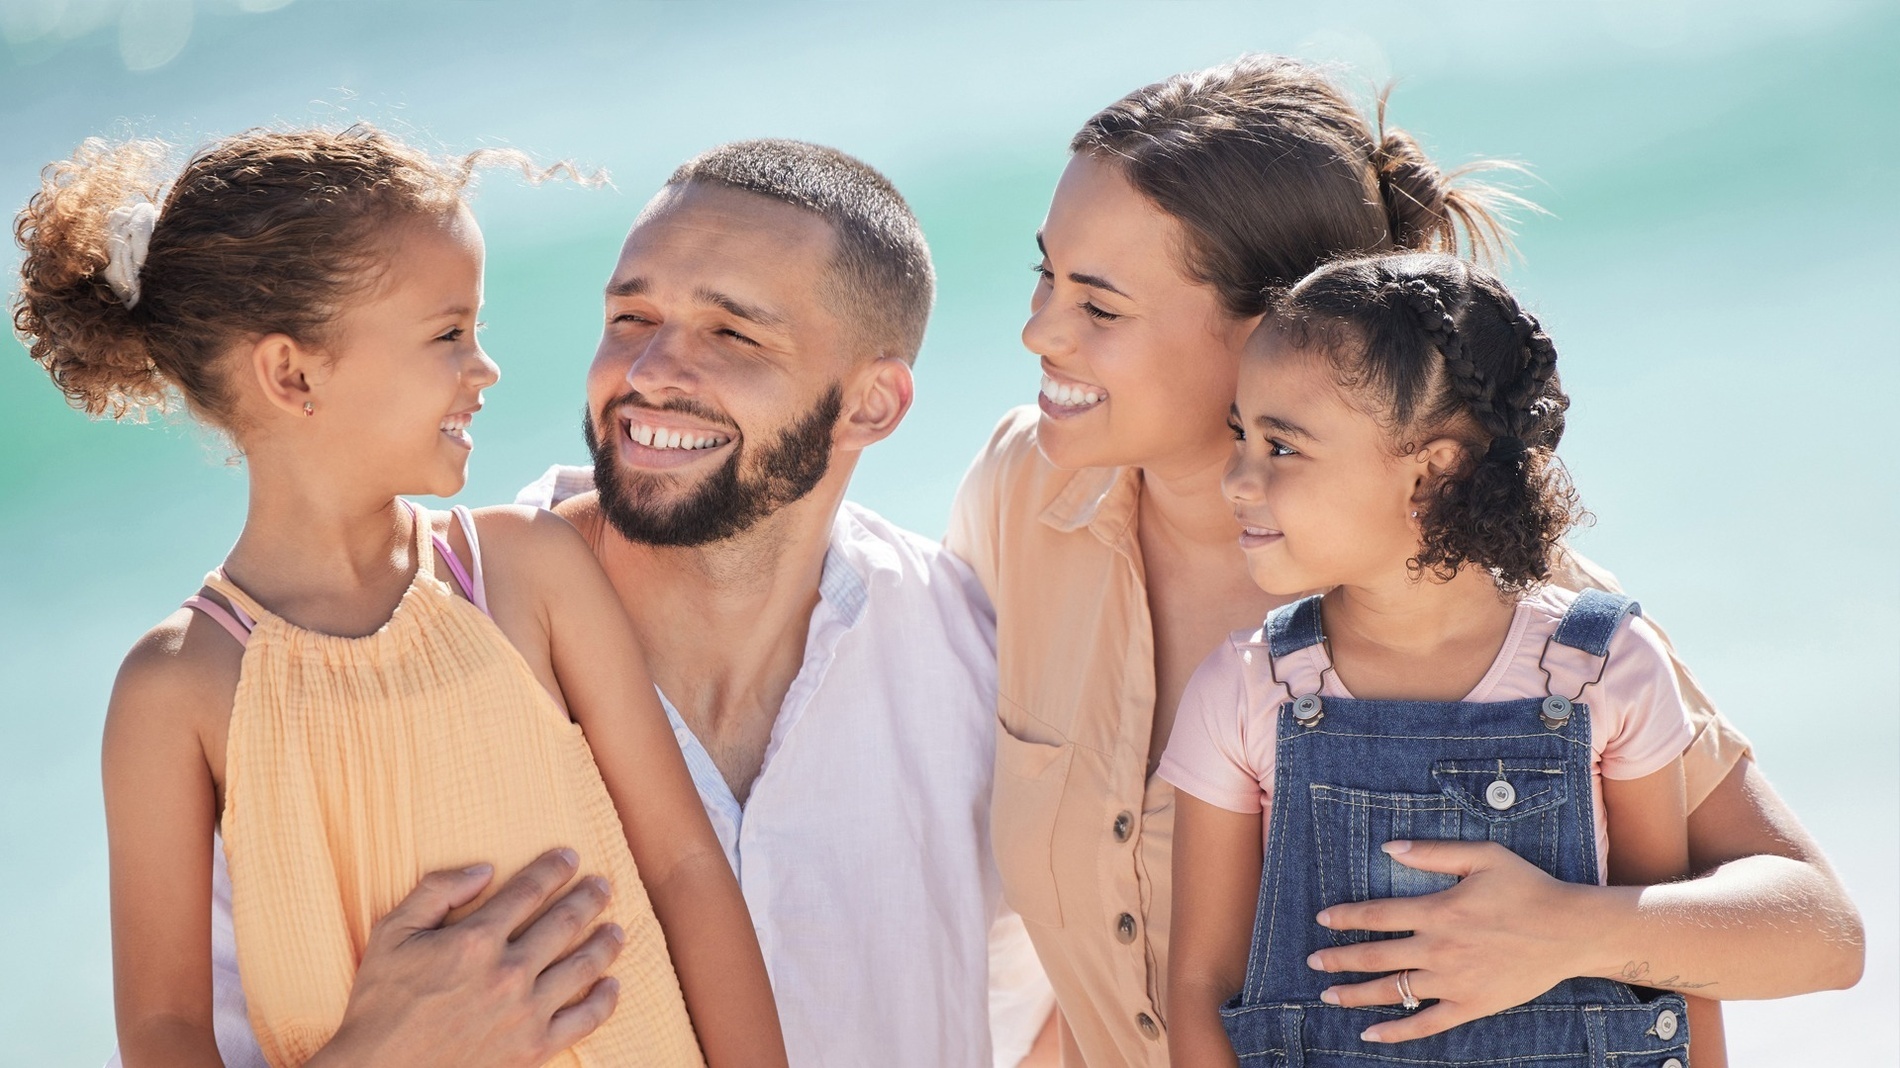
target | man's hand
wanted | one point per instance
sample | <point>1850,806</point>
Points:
<point>473,993</point>
<point>1499,938</point>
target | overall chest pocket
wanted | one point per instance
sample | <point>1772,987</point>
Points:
<point>1516,803</point>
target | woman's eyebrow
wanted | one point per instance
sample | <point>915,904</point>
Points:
<point>1093,281</point>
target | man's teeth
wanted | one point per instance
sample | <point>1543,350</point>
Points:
<point>1070,396</point>
<point>654,437</point>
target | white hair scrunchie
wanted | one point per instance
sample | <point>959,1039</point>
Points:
<point>128,236</point>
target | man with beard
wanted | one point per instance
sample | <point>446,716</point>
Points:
<point>829,677</point>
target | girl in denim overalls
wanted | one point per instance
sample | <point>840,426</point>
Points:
<point>1395,429</point>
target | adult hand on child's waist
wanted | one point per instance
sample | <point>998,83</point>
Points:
<point>1505,934</point>
<point>467,993</point>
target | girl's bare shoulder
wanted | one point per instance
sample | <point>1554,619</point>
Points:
<point>180,675</point>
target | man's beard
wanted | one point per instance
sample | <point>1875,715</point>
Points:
<point>730,500</point>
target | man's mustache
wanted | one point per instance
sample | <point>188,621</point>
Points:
<point>682,405</point>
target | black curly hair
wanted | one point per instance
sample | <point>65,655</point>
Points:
<point>1436,347</point>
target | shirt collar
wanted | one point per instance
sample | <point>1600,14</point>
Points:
<point>1102,499</point>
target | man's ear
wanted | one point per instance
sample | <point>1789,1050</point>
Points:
<point>1432,462</point>
<point>283,369</point>
<point>879,395</point>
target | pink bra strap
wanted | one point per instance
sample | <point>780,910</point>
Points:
<point>479,592</point>
<point>472,587</point>
<point>234,620</point>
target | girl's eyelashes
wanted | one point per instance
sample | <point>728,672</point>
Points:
<point>453,333</point>
<point>1280,448</point>
<point>1240,432</point>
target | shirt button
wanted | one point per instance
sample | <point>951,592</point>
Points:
<point>1149,1029</point>
<point>1125,928</point>
<point>1666,1024</point>
<point>1124,823</point>
<point>1500,795</point>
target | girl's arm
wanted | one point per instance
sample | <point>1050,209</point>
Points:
<point>160,814</point>
<point>695,897</point>
<point>1217,860</point>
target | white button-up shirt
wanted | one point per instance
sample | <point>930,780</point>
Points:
<point>863,849</point>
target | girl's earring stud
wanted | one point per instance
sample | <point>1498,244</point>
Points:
<point>307,412</point>
<point>310,408</point>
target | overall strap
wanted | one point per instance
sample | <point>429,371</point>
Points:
<point>1592,620</point>
<point>1292,627</point>
<point>236,622</point>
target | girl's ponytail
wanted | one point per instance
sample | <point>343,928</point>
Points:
<point>80,326</point>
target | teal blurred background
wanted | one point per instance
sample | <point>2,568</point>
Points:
<point>1717,268</point>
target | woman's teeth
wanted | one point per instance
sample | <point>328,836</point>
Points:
<point>654,437</point>
<point>1070,396</point>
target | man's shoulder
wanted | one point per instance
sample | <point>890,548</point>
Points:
<point>557,484</point>
<point>907,572</point>
<point>887,545</point>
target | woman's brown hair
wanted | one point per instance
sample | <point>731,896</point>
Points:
<point>1271,172</point>
<point>262,232</point>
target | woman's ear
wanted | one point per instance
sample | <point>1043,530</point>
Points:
<point>282,369</point>
<point>880,395</point>
<point>1432,462</point>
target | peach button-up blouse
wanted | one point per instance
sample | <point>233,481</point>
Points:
<point>1083,837</point>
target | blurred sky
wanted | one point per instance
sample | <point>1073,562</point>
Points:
<point>1717,270</point>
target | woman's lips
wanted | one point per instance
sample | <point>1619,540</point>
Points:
<point>1061,398</point>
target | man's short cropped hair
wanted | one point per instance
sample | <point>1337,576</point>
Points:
<point>881,280</point>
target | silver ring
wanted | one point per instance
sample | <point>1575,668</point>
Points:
<point>1407,999</point>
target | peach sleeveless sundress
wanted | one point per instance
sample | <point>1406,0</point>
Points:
<point>356,765</point>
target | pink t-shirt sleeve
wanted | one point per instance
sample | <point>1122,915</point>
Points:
<point>1638,706</point>
<point>1209,754</point>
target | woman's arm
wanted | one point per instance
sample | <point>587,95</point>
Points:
<point>161,810</point>
<point>1770,920</point>
<point>687,878</point>
<point>1217,860</point>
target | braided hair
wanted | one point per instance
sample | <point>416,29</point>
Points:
<point>1436,347</point>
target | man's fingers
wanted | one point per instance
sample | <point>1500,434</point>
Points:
<point>557,930</point>
<point>1385,955</point>
<point>579,1020</point>
<point>524,894</point>
<point>1447,858</point>
<point>1427,1021</point>
<point>438,894</point>
<point>566,979</point>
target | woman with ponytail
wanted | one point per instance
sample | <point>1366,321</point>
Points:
<point>1096,522</point>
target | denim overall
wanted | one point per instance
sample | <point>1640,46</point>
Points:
<point>1353,775</point>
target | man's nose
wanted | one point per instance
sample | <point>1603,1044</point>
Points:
<point>664,364</point>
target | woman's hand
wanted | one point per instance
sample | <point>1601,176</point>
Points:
<point>467,993</point>
<point>1505,934</point>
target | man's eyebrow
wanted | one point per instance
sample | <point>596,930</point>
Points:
<point>627,287</point>
<point>751,313</point>
<point>1275,423</point>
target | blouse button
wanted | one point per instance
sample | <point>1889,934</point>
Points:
<point>1149,1029</point>
<point>1124,823</point>
<point>1125,928</point>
